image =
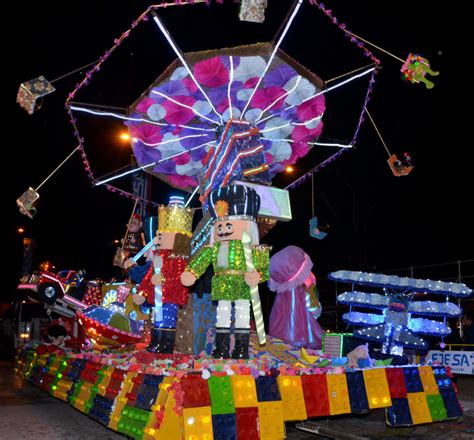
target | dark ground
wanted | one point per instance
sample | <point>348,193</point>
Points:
<point>26,412</point>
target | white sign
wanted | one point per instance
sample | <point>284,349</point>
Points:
<point>461,362</point>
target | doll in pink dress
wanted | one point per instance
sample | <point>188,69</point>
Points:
<point>296,308</point>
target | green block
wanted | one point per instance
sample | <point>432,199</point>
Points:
<point>222,398</point>
<point>133,421</point>
<point>436,406</point>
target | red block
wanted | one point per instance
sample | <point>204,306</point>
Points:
<point>396,383</point>
<point>115,383</point>
<point>315,391</point>
<point>196,392</point>
<point>89,373</point>
<point>247,423</point>
<point>46,382</point>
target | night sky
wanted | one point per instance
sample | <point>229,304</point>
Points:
<point>376,221</point>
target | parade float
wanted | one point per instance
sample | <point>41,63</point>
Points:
<point>160,361</point>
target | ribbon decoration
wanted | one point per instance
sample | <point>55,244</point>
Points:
<point>256,305</point>
<point>158,309</point>
<point>312,302</point>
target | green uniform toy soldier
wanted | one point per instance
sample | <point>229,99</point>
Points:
<point>239,262</point>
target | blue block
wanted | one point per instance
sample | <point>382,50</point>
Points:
<point>413,380</point>
<point>267,389</point>
<point>399,413</point>
<point>442,379</point>
<point>152,379</point>
<point>224,427</point>
<point>146,396</point>
<point>101,409</point>
<point>357,394</point>
<point>451,403</point>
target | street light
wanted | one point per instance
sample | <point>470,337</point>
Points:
<point>20,230</point>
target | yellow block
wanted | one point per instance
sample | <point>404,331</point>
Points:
<point>170,428</point>
<point>104,382</point>
<point>338,394</point>
<point>420,413</point>
<point>245,392</point>
<point>270,417</point>
<point>292,397</point>
<point>376,386</point>
<point>197,423</point>
<point>121,400</point>
<point>428,380</point>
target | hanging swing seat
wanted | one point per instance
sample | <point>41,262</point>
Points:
<point>398,167</point>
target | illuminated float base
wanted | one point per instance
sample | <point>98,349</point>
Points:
<point>148,396</point>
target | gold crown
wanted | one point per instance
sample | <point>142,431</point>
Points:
<point>175,218</point>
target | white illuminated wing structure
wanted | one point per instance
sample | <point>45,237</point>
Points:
<point>396,327</point>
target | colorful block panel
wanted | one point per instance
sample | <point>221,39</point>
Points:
<point>316,398</point>
<point>247,423</point>
<point>291,391</point>
<point>272,425</point>
<point>222,398</point>
<point>224,426</point>
<point>413,380</point>
<point>377,388</point>
<point>245,392</point>
<point>419,410</point>
<point>357,395</point>
<point>338,394</point>
<point>197,423</point>
<point>396,382</point>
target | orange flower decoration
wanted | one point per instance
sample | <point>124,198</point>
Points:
<point>222,208</point>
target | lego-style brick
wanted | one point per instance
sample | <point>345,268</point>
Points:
<point>419,410</point>
<point>196,392</point>
<point>428,380</point>
<point>451,403</point>
<point>224,426</point>
<point>247,423</point>
<point>396,383</point>
<point>270,416</point>
<point>197,423</point>
<point>101,409</point>
<point>399,413</point>
<point>244,390</point>
<point>148,392</point>
<point>316,397</point>
<point>222,398</point>
<point>413,380</point>
<point>133,421</point>
<point>376,386</point>
<point>442,380</point>
<point>62,389</point>
<point>292,397</point>
<point>168,428</point>
<point>267,389</point>
<point>115,383</point>
<point>436,407</point>
<point>90,372</point>
<point>357,394</point>
<point>338,394</point>
<point>120,400</point>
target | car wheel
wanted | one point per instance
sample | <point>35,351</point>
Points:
<point>49,292</point>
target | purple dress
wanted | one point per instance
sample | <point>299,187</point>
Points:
<point>296,308</point>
